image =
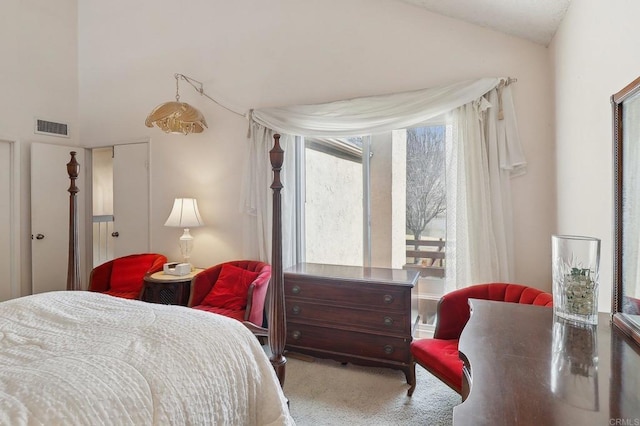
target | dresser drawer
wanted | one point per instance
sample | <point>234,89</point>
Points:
<point>378,320</point>
<point>347,342</point>
<point>348,292</point>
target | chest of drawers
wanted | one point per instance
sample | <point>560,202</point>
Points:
<point>351,314</point>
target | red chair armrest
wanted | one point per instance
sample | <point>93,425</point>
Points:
<point>452,315</point>
<point>258,294</point>
<point>100,277</point>
<point>157,265</point>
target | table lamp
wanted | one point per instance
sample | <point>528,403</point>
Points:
<point>185,214</point>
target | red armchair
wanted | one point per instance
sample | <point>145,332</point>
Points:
<point>124,276</point>
<point>235,289</point>
<point>440,354</point>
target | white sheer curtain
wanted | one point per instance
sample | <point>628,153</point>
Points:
<point>484,154</point>
<point>257,199</point>
<point>471,197</point>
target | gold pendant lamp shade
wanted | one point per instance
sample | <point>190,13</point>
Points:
<point>180,117</point>
<point>176,117</point>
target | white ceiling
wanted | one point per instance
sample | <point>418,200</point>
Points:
<point>535,20</point>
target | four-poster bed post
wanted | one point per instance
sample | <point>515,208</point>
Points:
<point>277,324</point>
<point>73,269</point>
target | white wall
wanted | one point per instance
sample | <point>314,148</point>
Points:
<point>38,78</point>
<point>594,55</point>
<point>253,53</point>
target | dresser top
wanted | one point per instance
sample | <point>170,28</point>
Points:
<point>355,273</point>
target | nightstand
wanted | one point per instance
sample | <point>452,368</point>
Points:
<point>168,289</point>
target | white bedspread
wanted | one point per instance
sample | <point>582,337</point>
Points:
<point>90,359</point>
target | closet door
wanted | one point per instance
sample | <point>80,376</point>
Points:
<point>131,199</point>
<point>50,215</point>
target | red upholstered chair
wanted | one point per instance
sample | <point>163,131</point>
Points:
<point>124,276</point>
<point>440,354</point>
<point>235,289</point>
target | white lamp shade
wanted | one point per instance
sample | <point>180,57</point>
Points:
<point>184,214</point>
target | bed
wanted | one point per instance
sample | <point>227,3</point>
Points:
<point>78,357</point>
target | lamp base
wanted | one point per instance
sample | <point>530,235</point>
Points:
<point>186,246</point>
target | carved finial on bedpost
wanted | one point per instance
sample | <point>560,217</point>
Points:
<point>277,321</point>
<point>276,155</point>
<point>73,270</point>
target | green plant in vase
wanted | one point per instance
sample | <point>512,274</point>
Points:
<point>575,269</point>
<point>579,291</point>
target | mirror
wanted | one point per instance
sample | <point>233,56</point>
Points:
<point>626,267</point>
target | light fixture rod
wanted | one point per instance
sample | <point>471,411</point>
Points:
<point>200,90</point>
<point>177,88</point>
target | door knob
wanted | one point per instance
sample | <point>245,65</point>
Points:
<point>39,237</point>
<point>115,234</point>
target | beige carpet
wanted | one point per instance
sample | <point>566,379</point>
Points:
<point>325,392</point>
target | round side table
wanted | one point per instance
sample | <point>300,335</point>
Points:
<point>168,289</point>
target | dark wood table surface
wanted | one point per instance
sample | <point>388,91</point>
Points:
<point>529,368</point>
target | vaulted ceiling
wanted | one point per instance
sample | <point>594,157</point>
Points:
<point>534,20</point>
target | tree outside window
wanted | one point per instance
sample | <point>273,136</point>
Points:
<point>426,191</point>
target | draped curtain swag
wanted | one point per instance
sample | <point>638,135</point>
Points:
<point>373,114</point>
<point>482,153</point>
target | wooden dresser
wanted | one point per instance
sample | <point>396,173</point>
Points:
<point>351,314</point>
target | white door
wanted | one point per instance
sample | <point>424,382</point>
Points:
<point>50,215</point>
<point>7,236</point>
<point>131,199</point>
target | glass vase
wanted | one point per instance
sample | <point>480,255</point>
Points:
<point>575,263</point>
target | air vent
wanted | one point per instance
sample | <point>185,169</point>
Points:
<point>51,128</point>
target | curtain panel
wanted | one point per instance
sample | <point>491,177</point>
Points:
<point>257,196</point>
<point>483,155</point>
<point>484,151</point>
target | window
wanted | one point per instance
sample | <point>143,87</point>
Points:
<point>333,201</point>
<point>426,199</point>
<point>426,220</point>
<point>378,201</point>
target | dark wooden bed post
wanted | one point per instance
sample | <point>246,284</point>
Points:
<point>277,324</point>
<point>73,270</point>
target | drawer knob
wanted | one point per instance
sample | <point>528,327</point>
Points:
<point>388,299</point>
<point>388,349</point>
<point>388,321</point>
<point>295,289</point>
<point>296,309</point>
<point>296,335</point>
